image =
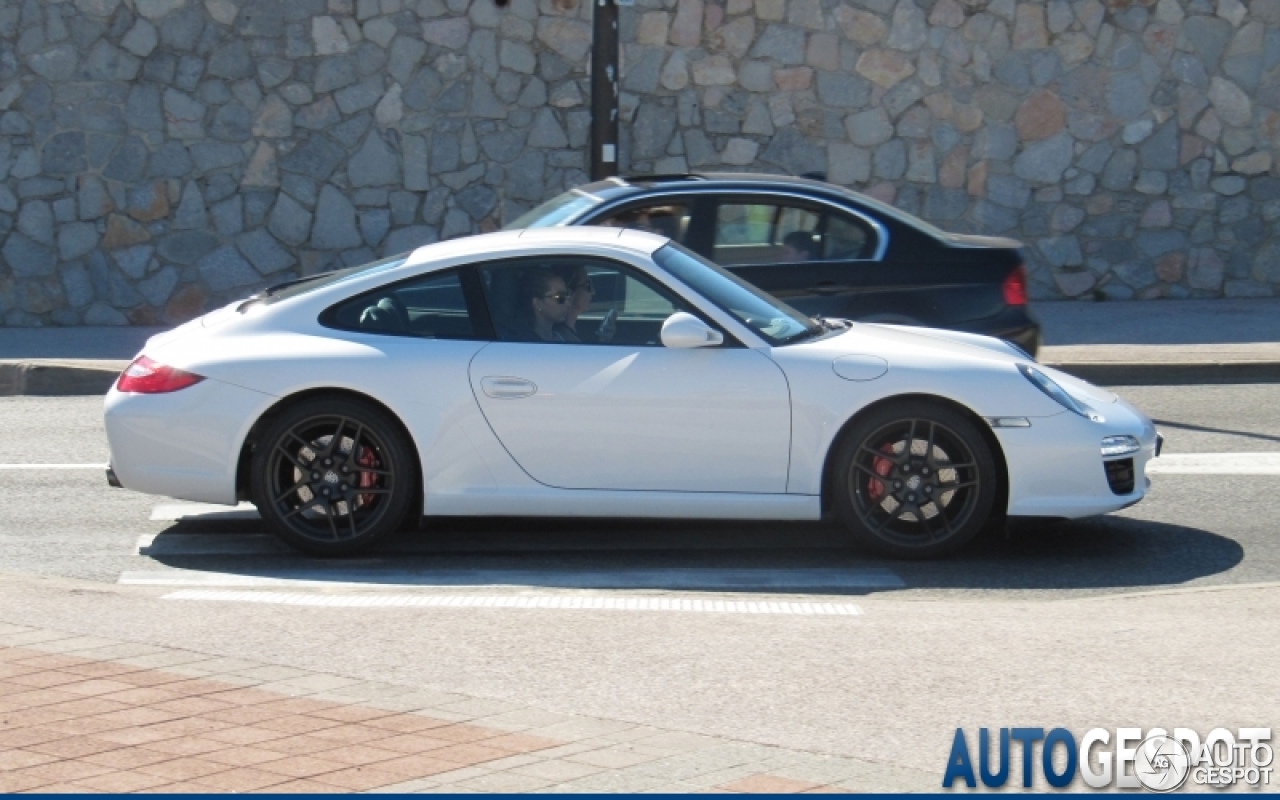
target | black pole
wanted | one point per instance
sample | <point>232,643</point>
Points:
<point>604,89</point>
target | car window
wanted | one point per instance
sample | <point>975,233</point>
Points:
<point>575,301</point>
<point>773,233</point>
<point>665,219</point>
<point>429,307</point>
<point>846,238</point>
<point>771,319</point>
<point>763,233</point>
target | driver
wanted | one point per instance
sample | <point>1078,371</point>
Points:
<point>579,284</point>
<point>545,301</point>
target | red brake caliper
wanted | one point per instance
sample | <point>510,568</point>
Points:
<point>367,479</point>
<point>882,466</point>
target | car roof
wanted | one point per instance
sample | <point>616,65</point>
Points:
<point>710,182</point>
<point>640,242</point>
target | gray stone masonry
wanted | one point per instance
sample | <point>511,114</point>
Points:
<point>160,157</point>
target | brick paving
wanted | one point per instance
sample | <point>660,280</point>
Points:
<point>84,714</point>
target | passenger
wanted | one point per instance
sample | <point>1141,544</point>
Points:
<point>798,246</point>
<point>579,284</point>
<point>664,222</point>
<point>545,300</point>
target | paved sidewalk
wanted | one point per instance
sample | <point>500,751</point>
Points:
<point>86,714</point>
<point>1177,341</point>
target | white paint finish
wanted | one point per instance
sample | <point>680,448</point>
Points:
<point>1215,464</point>
<point>713,436</point>
<point>183,444</point>
<point>51,466</point>
<point>556,603</point>
<point>640,418</point>
<point>670,579</point>
<point>542,501</point>
<point>859,367</point>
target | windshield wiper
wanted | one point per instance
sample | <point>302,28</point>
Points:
<point>831,324</point>
<point>270,290</point>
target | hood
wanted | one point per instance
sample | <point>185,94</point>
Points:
<point>899,344</point>
<point>886,340</point>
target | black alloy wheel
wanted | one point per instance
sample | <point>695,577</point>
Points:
<point>915,480</point>
<point>332,476</point>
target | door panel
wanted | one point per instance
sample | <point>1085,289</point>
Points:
<point>638,418</point>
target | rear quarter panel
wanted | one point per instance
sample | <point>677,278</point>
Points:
<point>423,382</point>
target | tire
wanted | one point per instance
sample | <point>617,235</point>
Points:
<point>887,493</point>
<point>317,495</point>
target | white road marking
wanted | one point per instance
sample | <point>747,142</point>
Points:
<point>52,466</point>
<point>172,512</point>
<point>567,602</point>
<point>1215,464</point>
<point>671,579</point>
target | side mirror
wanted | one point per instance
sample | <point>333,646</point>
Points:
<point>683,330</point>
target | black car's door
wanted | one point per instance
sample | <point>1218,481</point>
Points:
<point>813,257</point>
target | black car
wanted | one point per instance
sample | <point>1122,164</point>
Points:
<point>825,250</point>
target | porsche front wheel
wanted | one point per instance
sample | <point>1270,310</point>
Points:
<point>332,476</point>
<point>915,480</point>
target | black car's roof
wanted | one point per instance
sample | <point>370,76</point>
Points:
<point>618,187</point>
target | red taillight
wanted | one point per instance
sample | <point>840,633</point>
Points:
<point>145,376</point>
<point>1015,287</point>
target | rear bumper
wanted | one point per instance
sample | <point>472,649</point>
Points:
<point>183,444</point>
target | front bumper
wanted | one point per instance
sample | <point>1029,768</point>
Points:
<point>1056,468</point>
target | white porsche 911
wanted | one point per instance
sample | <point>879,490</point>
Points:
<point>600,372</point>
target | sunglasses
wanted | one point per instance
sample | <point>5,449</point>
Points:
<point>559,297</point>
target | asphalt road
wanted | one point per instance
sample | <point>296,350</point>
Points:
<point>1163,614</point>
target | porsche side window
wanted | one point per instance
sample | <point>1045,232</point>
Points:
<point>764,233</point>
<point>666,219</point>
<point>428,307</point>
<point>575,301</point>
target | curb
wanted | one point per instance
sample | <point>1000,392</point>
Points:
<point>1147,373</point>
<point>62,378</point>
<point>57,378</point>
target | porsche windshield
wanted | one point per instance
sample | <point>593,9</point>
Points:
<point>771,319</point>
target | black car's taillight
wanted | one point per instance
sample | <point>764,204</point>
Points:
<point>1015,287</point>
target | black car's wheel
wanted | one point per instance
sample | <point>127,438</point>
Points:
<point>914,480</point>
<point>332,476</point>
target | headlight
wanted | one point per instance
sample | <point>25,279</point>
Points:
<point>1045,384</point>
<point>1113,446</point>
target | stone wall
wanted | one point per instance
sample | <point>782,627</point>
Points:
<point>1128,143</point>
<point>158,157</point>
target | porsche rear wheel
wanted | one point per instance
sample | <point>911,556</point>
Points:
<point>332,476</point>
<point>915,480</point>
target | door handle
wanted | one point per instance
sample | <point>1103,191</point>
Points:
<point>507,388</point>
<point>825,287</point>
